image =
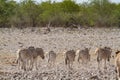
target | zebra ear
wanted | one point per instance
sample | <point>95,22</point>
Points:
<point>117,52</point>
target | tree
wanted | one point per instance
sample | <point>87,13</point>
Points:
<point>102,11</point>
<point>6,11</point>
<point>29,12</point>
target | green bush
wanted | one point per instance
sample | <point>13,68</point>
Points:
<point>28,13</point>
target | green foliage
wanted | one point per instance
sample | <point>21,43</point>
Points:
<point>116,14</point>
<point>69,6</point>
<point>66,13</point>
<point>29,12</point>
<point>6,11</point>
<point>103,11</point>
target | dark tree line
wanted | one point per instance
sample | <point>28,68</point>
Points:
<point>68,13</point>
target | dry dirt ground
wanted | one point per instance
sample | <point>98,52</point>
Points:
<point>57,40</point>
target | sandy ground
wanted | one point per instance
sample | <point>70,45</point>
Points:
<point>57,40</point>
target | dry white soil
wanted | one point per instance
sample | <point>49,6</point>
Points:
<point>57,40</point>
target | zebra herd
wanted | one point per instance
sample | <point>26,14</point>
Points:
<point>28,57</point>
